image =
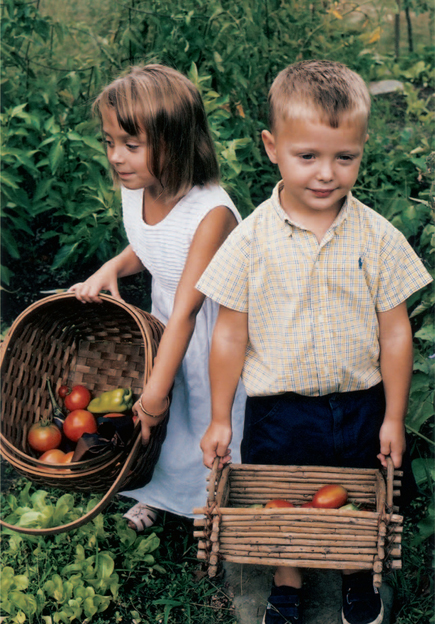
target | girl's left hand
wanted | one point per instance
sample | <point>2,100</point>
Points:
<point>160,408</point>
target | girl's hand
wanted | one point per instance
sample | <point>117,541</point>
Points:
<point>148,422</point>
<point>104,279</point>
<point>215,443</point>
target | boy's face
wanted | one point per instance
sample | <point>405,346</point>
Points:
<point>318,164</point>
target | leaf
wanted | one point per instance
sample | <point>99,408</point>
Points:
<point>423,470</point>
<point>21,582</point>
<point>104,565</point>
<point>424,412</point>
<point>63,255</point>
<point>94,144</point>
<point>55,155</point>
<point>426,333</point>
<point>6,178</point>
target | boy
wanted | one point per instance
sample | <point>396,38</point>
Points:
<point>312,290</point>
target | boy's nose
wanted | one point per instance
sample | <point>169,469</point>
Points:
<point>325,172</point>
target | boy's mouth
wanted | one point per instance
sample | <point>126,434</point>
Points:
<point>322,193</point>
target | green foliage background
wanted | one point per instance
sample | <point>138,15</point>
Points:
<point>58,205</point>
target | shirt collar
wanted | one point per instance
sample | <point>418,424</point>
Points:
<point>283,216</point>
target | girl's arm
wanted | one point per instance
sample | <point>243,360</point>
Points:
<point>106,278</point>
<point>396,362</point>
<point>227,356</point>
<point>209,236</point>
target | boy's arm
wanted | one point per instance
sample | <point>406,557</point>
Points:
<point>227,356</point>
<point>396,361</point>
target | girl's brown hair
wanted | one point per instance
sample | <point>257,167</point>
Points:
<point>326,87</point>
<point>162,103</point>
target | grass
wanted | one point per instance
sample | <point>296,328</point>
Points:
<point>181,594</point>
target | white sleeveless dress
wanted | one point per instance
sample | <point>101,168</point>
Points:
<point>179,480</point>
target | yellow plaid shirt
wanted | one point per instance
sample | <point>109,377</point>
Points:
<point>312,307</point>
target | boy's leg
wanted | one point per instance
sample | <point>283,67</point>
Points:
<point>283,605</point>
<point>292,577</point>
<point>334,430</point>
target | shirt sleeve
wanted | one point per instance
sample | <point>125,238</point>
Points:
<point>225,280</point>
<point>402,272</point>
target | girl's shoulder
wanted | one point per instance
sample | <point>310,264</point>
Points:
<point>202,199</point>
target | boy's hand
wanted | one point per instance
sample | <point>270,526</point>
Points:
<point>392,439</point>
<point>215,443</point>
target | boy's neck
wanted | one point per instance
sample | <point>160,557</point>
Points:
<point>316,221</point>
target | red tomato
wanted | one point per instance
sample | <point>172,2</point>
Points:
<point>308,504</point>
<point>330,497</point>
<point>44,436</point>
<point>277,502</point>
<point>53,456</point>
<point>77,423</point>
<point>78,398</point>
<point>68,457</point>
<point>63,391</point>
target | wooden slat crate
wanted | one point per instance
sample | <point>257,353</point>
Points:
<point>231,530</point>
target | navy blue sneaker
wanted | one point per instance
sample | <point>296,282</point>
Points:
<point>283,606</point>
<point>362,603</point>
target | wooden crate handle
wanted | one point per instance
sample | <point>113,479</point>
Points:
<point>215,476</point>
<point>390,483</point>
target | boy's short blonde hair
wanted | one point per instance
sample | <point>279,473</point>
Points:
<point>327,88</point>
<point>166,106</point>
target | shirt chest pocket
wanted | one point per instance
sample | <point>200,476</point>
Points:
<point>349,284</point>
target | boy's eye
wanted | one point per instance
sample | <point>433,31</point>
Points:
<point>307,156</point>
<point>346,157</point>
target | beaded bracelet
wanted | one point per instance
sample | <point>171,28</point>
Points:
<point>153,415</point>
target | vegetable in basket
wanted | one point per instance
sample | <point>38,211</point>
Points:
<point>118,400</point>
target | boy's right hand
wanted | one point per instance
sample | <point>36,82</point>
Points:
<point>215,443</point>
<point>103,279</point>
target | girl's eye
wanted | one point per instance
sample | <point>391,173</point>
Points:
<point>108,142</point>
<point>131,146</point>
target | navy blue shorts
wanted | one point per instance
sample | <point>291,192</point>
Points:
<point>339,429</point>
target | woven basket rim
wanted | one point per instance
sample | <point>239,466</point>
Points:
<point>132,310</point>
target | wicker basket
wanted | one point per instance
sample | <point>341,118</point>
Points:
<point>303,537</point>
<point>102,346</point>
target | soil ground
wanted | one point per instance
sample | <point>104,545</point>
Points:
<point>250,585</point>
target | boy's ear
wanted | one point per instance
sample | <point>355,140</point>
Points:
<point>269,145</point>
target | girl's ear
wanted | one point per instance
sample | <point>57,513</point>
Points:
<point>269,145</point>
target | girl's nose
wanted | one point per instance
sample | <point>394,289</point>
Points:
<point>115,155</point>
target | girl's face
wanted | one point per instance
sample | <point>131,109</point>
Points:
<point>128,155</point>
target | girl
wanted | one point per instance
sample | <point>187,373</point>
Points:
<point>176,216</point>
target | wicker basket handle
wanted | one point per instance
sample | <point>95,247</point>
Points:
<point>99,507</point>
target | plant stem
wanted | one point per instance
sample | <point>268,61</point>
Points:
<point>420,435</point>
